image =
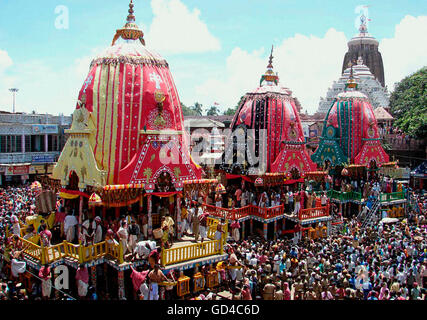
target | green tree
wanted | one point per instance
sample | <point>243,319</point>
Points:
<point>197,108</point>
<point>408,104</point>
<point>187,111</point>
<point>213,111</point>
<point>230,111</point>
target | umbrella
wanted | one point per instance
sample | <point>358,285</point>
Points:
<point>259,182</point>
<point>220,188</point>
<point>36,185</point>
<point>95,199</point>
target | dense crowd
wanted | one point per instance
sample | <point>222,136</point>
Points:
<point>388,262</point>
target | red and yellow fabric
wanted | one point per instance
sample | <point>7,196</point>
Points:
<point>71,194</point>
<point>120,96</point>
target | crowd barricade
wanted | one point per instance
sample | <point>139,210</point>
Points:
<point>76,252</point>
<point>190,252</point>
<point>211,227</point>
<point>311,213</point>
<point>72,250</point>
<point>271,212</point>
<point>386,197</point>
<point>95,251</point>
<point>344,196</point>
<point>33,250</point>
<point>54,253</point>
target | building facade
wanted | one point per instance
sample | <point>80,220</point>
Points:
<point>367,84</point>
<point>30,144</point>
<point>366,46</point>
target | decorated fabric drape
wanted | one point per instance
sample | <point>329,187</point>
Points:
<point>72,194</point>
<point>120,197</point>
<point>350,133</point>
<point>130,118</point>
<point>269,121</point>
<point>164,194</point>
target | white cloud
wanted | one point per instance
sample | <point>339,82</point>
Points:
<point>175,29</point>
<point>242,72</point>
<point>41,87</point>
<point>306,64</point>
<point>5,60</point>
<point>406,52</point>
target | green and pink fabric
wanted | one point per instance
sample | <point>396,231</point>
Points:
<point>350,133</point>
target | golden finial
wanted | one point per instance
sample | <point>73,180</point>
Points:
<point>351,83</point>
<point>269,74</point>
<point>130,31</point>
<point>131,17</point>
<point>270,60</point>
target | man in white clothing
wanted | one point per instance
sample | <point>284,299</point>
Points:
<point>70,222</point>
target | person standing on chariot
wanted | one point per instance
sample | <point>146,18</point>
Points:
<point>165,236</point>
<point>170,223</point>
<point>45,235</point>
<point>196,225</point>
<point>184,217</point>
<point>88,231</point>
<point>46,276</point>
<point>123,236</point>
<point>134,233</point>
<point>203,223</point>
<point>235,233</point>
<point>70,223</point>
<point>98,230</point>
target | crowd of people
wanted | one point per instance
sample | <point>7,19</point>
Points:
<point>388,262</point>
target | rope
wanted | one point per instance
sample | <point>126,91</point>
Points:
<point>26,270</point>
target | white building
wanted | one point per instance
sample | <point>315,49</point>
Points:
<point>30,144</point>
<point>367,84</point>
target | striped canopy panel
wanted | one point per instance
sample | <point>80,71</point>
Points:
<point>274,133</point>
<point>350,133</point>
<point>122,93</point>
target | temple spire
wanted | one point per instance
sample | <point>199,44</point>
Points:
<point>270,60</point>
<point>130,31</point>
<point>131,16</point>
<point>269,75</point>
<point>351,82</point>
<point>363,26</point>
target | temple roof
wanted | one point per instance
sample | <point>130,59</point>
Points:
<point>382,114</point>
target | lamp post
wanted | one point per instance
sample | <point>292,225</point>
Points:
<point>14,91</point>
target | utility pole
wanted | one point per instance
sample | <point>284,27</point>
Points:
<point>14,91</point>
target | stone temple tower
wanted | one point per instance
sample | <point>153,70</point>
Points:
<point>366,46</point>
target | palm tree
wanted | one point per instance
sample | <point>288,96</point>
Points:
<point>213,111</point>
<point>197,108</point>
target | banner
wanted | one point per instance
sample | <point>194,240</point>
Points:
<point>396,173</point>
<point>19,170</point>
<point>43,158</point>
<point>44,128</point>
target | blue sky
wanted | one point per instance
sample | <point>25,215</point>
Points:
<point>217,50</point>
